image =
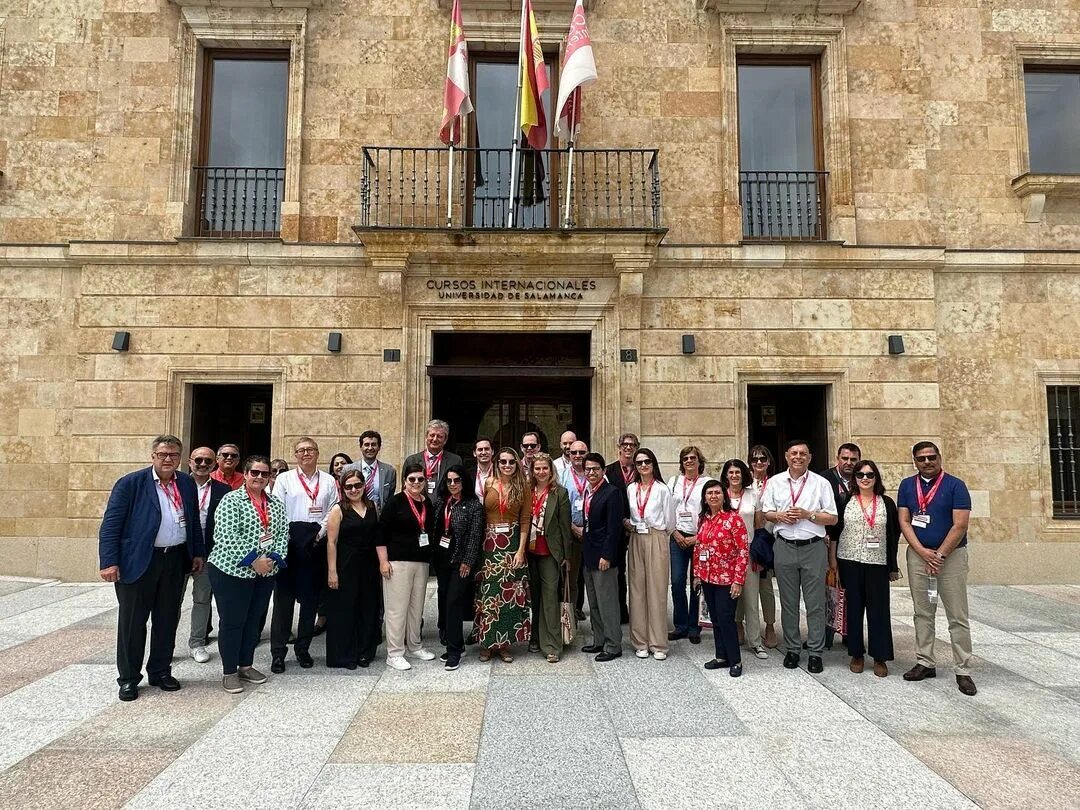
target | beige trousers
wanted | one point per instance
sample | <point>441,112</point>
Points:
<point>403,606</point>
<point>952,593</point>
<point>648,579</point>
<point>766,595</point>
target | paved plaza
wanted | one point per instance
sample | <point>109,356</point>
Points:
<point>625,734</point>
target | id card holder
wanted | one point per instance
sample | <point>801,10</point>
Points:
<point>920,521</point>
<point>314,511</point>
<point>266,538</point>
<point>502,528</point>
<point>642,527</point>
<point>873,543</point>
<point>423,540</point>
<point>444,542</point>
<point>703,555</point>
<point>685,516</point>
<point>181,521</point>
<point>431,487</point>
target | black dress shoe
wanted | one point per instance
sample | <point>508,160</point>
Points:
<point>350,666</point>
<point>735,671</point>
<point>319,630</point>
<point>277,666</point>
<point>129,691</point>
<point>674,636</point>
<point>606,656</point>
<point>815,665</point>
<point>695,638</point>
<point>534,646</point>
<point>919,672</point>
<point>364,663</point>
<point>305,659</point>
<point>965,684</point>
<point>166,683</point>
<point>592,648</point>
<point>791,661</point>
<point>716,663</point>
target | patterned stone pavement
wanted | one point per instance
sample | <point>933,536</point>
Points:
<point>529,734</point>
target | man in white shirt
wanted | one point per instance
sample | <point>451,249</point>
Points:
<point>573,478</point>
<point>380,479</point>
<point>801,504</point>
<point>308,494</point>
<point>484,468</point>
<point>563,461</point>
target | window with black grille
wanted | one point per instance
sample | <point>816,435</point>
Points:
<point>1063,412</point>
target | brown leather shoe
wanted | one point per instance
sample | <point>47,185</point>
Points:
<point>965,684</point>
<point>880,669</point>
<point>919,672</point>
<point>857,665</point>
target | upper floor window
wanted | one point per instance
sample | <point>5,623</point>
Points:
<point>1052,97</point>
<point>1063,412</point>
<point>781,177</point>
<point>240,175</point>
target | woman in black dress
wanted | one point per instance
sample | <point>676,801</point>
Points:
<point>352,533</point>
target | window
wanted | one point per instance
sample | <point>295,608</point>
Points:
<point>781,185</point>
<point>1063,412</point>
<point>494,92</point>
<point>1052,98</point>
<point>241,175</point>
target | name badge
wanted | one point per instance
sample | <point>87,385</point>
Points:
<point>922,521</point>
<point>502,528</point>
<point>423,539</point>
<point>180,521</point>
<point>266,538</point>
<point>641,528</point>
<point>314,511</point>
<point>685,515</point>
<point>703,555</point>
<point>873,543</point>
<point>431,487</point>
<point>444,543</point>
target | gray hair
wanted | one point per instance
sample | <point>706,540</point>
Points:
<point>165,438</point>
<point>438,424</point>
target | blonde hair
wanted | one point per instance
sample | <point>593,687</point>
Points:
<point>532,467</point>
<point>517,480</point>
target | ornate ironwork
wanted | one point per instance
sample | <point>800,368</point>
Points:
<point>783,205</point>
<point>239,202</point>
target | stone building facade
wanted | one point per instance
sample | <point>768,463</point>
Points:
<point>935,227</point>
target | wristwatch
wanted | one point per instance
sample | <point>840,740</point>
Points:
<point>813,517</point>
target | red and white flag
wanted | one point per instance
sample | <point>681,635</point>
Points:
<point>456,97</point>
<point>578,71</point>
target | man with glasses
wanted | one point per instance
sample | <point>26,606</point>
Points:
<point>843,485</point>
<point>574,479</point>
<point>530,446</point>
<point>150,538</point>
<point>563,461</point>
<point>603,511</point>
<point>380,479</point>
<point>435,459</point>
<point>308,494</point>
<point>228,459</point>
<point>621,473</point>
<point>208,495</point>
<point>934,508</point>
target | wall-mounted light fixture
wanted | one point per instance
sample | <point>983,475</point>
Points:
<point>689,344</point>
<point>121,341</point>
<point>333,343</point>
<point>896,344</point>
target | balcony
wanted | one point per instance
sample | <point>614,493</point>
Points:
<point>239,202</point>
<point>408,187</point>
<point>783,206</point>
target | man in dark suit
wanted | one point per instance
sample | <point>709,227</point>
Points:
<point>603,512</point>
<point>380,479</point>
<point>208,492</point>
<point>434,458</point>
<point>150,538</point>
<point>481,467</point>
<point>620,474</point>
<point>842,485</point>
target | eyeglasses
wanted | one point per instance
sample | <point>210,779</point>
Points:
<point>279,470</point>
<point>202,462</point>
<point>865,474</point>
<point>259,473</point>
<point>688,458</point>
<point>758,459</point>
<point>352,487</point>
<point>627,444</point>
<point>507,462</point>
<point>577,452</point>
<point>643,462</point>
<point>594,469</point>
<point>226,455</point>
<point>167,456</point>
<point>306,451</point>
<point>529,445</point>
<point>926,459</point>
<point>454,480</point>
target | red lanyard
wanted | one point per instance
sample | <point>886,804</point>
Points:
<point>579,483</point>
<point>307,489</point>
<point>871,518</point>
<point>924,500</point>
<point>643,502</point>
<point>687,493</point>
<point>262,509</point>
<point>446,513</point>
<point>795,496</point>
<point>204,497</point>
<point>172,492</point>
<point>589,496</point>
<point>421,516</point>
<point>628,477</point>
<point>431,463</point>
<point>538,503</point>
<point>504,502</point>
<point>481,478</point>
<point>710,529</point>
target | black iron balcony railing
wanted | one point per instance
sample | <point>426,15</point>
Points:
<point>239,202</point>
<point>783,205</point>
<point>410,187</point>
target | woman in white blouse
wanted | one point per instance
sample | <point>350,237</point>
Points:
<point>686,492</point>
<point>651,522</point>
<point>738,481</point>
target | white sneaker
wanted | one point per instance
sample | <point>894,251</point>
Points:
<point>398,662</point>
<point>641,653</point>
<point>424,654</point>
<point>761,652</point>
<point>200,655</point>
<point>660,656</point>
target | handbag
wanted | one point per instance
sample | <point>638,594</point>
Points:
<point>761,548</point>
<point>567,616</point>
<point>835,604</point>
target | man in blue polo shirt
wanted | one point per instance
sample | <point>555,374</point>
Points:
<point>934,509</point>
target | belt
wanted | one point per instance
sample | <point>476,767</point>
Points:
<point>799,542</point>
<point>168,549</point>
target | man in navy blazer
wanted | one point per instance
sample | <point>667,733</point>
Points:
<point>603,513</point>
<point>150,538</point>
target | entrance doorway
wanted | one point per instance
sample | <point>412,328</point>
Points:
<point>502,385</point>
<point>779,413</point>
<point>235,414</point>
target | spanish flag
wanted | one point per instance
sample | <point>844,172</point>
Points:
<point>534,81</point>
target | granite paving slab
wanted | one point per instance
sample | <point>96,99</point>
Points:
<point>404,786</point>
<point>30,599</point>
<point>1035,662</point>
<point>1068,643</point>
<point>35,658</point>
<point>282,710</point>
<point>1064,615</point>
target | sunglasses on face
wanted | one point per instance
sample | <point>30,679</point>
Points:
<point>643,462</point>
<point>452,481</point>
<point>279,470</point>
<point>259,473</point>
<point>759,460</point>
<point>530,445</point>
<point>577,452</point>
<point>865,475</point>
<point>926,459</point>
<point>415,479</point>
<point>688,458</point>
<point>352,487</point>
<point>507,462</point>
<point>228,455</point>
<point>202,462</point>
<point>594,470</point>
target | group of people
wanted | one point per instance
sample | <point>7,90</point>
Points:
<point>517,540</point>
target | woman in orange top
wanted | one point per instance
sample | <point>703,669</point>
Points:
<point>502,585</point>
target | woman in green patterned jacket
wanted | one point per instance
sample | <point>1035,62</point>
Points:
<point>251,539</point>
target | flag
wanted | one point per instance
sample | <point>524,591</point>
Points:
<point>456,101</point>
<point>534,81</point>
<point>578,71</point>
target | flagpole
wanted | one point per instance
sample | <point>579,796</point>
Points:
<point>450,181</point>
<point>517,122</point>
<point>570,160</point>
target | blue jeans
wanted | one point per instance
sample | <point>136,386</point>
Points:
<point>685,612</point>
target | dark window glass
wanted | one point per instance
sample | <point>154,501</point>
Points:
<point>1053,119</point>
<point>1063,410</point>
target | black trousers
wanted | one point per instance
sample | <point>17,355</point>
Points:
<point>624,608</point>
<point>241,604</point>
<point>299,584</point>
<point>352,617</point>
<point>459,608</point>
<point>722,612</point>
<point>157,595</point>
<point>866,588</point>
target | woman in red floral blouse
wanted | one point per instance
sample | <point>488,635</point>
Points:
<point>720,559</point>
